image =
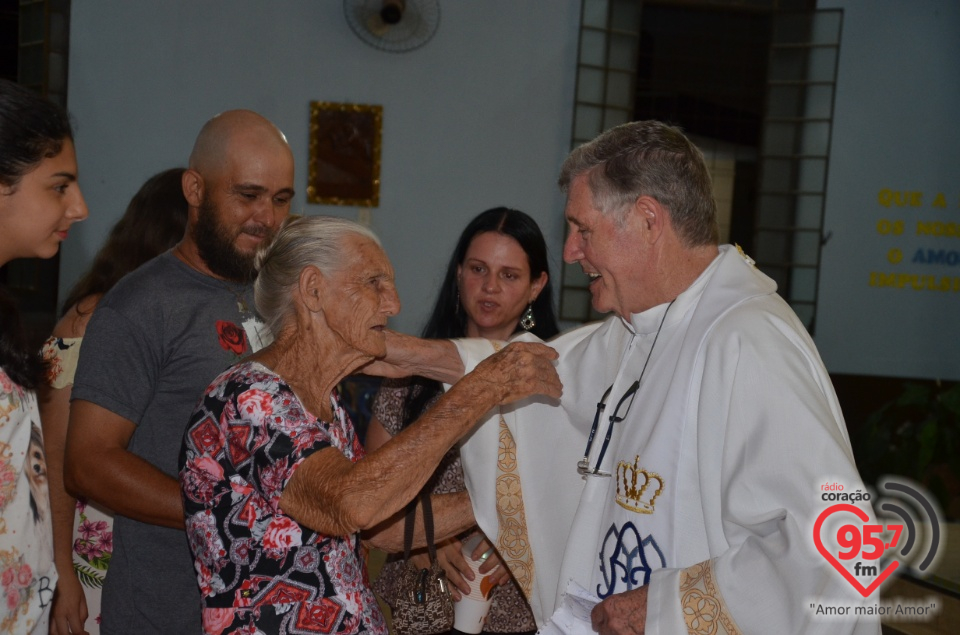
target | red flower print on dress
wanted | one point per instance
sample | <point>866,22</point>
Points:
<point>281,534</point>
<point>200,479</point>
<point>231,337</point>
<point>249,556</point>
<point>308,437</point>
<point>216,620</point>
<point>272,480</point>
<point>7,387</point>
<point>24,575</point>
<point>54,364</point>
<point>16,579</point>
<point>256,404</point>
<point>240,486</point>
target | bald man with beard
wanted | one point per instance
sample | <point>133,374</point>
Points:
<point>155,342</point>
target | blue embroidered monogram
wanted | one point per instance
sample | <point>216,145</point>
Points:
<point>631,560</point>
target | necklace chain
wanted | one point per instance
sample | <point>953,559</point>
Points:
<point>238,294</point>
<point>583,465</point>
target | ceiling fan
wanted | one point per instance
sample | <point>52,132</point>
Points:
<point>396,26</point>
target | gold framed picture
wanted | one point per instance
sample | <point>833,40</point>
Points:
<point>344,154</point>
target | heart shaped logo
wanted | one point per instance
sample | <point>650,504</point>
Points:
<point>862,515</point>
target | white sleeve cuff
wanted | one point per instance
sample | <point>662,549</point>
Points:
<point>664,615</point>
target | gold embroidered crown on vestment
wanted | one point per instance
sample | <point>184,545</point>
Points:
<point>637,489</point>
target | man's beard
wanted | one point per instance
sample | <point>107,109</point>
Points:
<point>216,247</point>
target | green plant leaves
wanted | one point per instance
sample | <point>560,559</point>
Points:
<point>928,438</point>
<point>916,435</point>
<point>950,399</point>
<point>88,577</point>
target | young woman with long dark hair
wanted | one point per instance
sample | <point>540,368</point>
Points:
<point>497,284</point>
<point>39,201</point>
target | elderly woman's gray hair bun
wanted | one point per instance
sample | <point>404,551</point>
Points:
<point>300,242</point>
<point>265,249</point>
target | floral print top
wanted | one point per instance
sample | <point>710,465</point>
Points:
<point>27,574</point>
<point>258,569</point>
<point>93,524</point>
<point>61,355</point>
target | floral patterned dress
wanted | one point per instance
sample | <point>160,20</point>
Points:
<point>93,525</point>
<point>258,569</point>
<point>27,573</point>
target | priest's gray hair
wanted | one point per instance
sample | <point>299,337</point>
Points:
<point>648,158</point>
<point>301,241</point>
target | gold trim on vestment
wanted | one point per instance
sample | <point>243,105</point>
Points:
<point>512,540</point>
<point>704,610</point>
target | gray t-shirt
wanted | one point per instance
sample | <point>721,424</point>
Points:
<point>153,345</point>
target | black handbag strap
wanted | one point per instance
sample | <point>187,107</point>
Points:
<point>410,521</point>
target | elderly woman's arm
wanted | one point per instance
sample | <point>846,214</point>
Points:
<point>334,496</point>
<point>408,355</point>
<point>452,515</point>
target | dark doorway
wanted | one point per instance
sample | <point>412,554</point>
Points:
<point>703,67</point>
<point>33,282</point>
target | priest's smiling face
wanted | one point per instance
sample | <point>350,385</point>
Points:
<point>608,253</point>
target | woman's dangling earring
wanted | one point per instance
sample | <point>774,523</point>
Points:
<point>528,321</point>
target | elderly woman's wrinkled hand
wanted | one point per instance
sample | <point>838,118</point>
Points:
<point>520,370</point>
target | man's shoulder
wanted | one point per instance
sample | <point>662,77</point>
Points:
<point>591,332</point>
<point>764,325</point>
<point>738,297</point>
<point>142,283</point>
<point>159,281</point>
<point>757,314</point>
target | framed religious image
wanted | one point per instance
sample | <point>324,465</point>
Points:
<point>344,154</point>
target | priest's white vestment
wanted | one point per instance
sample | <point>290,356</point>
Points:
<point>715,470</point>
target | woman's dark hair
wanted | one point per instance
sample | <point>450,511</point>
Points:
<point>31,129</point>
<point>449,320</point>
<point>153,223</point>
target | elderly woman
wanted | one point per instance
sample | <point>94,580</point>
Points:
<point>275,491</point>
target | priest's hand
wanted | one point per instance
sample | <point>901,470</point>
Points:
<point>621,614</point>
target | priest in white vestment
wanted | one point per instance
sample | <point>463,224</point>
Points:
<point>680,477</point>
